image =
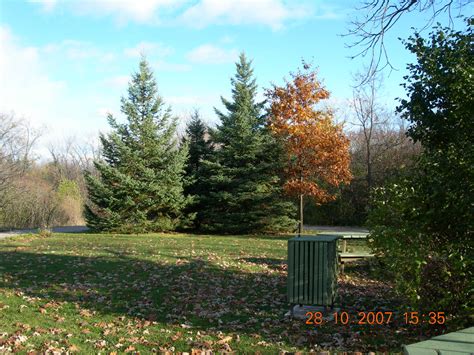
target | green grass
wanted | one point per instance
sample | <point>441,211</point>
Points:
<point>126,293</point>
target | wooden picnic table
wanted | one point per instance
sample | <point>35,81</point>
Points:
<point>344,256</point>
<point>460,342</point>
<point>345,236</point>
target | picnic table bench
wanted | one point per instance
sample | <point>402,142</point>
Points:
<point>460,342</point>
<point>344,256</point>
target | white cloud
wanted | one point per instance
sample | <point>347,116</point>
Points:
<point>183,105</point>
<point>149,49</point>
<point>272,13</point>
<point>105,111</point>
<point>227,39</point>
<point>78,50</point>
<point>143,11</point>
<point>47,5</point>
<point>29,91</point>
<point>25,89</point>
<point>108,57</point>
<point>198,14</point>
<point>119,81</point>
<point>156,49</point>
<point>330,12</point>
<point>210,54</point>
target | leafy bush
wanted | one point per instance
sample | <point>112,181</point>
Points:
<point>452,273</point>
<point>394,238</point>
<point>433,269</point>
<point>422,227</point>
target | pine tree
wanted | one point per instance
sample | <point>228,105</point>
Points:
<point>200,148</point>
<point>243,189</point>
<point>139,187</point>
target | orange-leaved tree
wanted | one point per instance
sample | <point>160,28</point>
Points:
<point>317,150</point>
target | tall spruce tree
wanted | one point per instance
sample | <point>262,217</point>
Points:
<point>243,189</point>
<point>139,187</point>
<point>200,149</point>
<point>199,144</point>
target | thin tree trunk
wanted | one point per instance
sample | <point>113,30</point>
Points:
<point>301,209</point>
<point>369,167</point>
<point>301,215</point>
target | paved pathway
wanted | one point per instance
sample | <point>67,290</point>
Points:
<point>68,229</point>
<point>78,229</point>
<point>337,229</point>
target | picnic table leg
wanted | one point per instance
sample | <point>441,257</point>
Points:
<point>341,265</point>
<point>344,249</point>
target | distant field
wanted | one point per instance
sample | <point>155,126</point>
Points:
<point>115,293</point>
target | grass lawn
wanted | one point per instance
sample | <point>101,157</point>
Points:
<point>150,293</point>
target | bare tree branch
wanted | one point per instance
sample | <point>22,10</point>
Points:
<point>16,141</point>
<point>380,16</point>
<point>379,144</point>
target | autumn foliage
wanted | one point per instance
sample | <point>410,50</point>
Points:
<point>317,150</point>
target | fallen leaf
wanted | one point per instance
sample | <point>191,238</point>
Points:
<point>73,349</point>
<point>177,336</point>
<point>129,349</point>
<point>225,340</point>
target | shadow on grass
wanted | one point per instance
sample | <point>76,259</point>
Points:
<point>272,263</point>
<point>370,268</point>
<point>190,290</point>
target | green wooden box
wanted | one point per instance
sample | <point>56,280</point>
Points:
<point>312,270</point>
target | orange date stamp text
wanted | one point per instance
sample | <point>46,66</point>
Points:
<point>375,318</point>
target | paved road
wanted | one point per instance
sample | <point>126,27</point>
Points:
<point>78,229</point>
<point>68,229</point>
<point>337,229</point>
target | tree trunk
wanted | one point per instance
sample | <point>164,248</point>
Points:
<point>301,215</point>
<point>369,167</point>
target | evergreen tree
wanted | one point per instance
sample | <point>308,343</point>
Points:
<point>139,187</point>
<point>200,148</point>
<point>243,189</point>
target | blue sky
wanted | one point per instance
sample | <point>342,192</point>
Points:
<point>64,64</point>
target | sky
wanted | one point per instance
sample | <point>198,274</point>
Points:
<point>64,63</point>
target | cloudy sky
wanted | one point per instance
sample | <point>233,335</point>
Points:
<point>65,64</point>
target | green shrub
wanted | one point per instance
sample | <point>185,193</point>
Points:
<point>422,228</point>
<point>433,268</point>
